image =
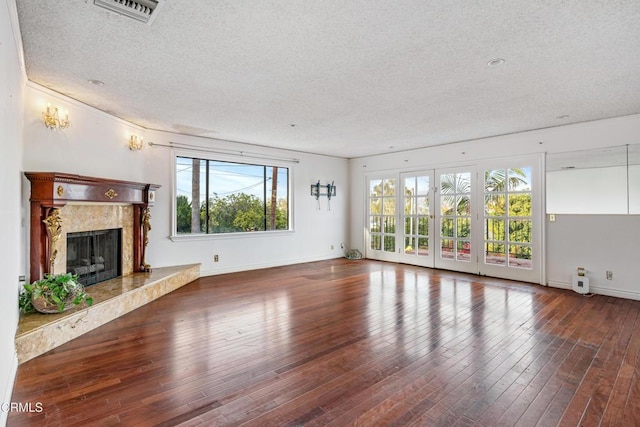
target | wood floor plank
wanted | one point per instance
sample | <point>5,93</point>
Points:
<point>343,342</point>
<point>534,400</point>
<point>616,405</point>
<point>427,378</point>
<point>588,403</point>
<point>631,414</point>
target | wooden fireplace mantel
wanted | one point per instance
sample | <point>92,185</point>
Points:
<point>53,190</point>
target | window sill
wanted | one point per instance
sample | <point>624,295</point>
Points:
<point>222,236</point>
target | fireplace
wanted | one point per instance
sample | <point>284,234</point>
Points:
<point>95,256</point>
<point>63,205</point>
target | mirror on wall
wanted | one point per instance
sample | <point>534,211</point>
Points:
<point>596,181</point>
<point>634,179</point>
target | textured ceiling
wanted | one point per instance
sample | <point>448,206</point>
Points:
<point>343,78</point>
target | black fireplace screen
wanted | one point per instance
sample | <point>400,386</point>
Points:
<point>95,256</point>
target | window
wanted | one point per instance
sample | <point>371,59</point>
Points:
<point>214,197</point>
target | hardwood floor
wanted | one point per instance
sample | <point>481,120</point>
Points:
<point>344,342</point>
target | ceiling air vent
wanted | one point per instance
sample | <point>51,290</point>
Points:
<point>140,10</point>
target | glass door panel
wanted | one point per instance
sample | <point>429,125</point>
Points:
<point>456,246</point>
<point>507,217</point>
<point>417,218</point>
<point>382,214</point>
<point>511,226</point>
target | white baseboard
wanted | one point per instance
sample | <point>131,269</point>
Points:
<point>204,273</point>
<point>610,292</point>
<point>561,285</point>
<point>8,389</point>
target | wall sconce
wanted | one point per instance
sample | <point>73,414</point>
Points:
<point>52,120</point>
<point>135,142</point>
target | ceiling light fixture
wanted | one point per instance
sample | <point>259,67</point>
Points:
<point>135,142</point>
<point>52,120</point>
<point>495,62</point>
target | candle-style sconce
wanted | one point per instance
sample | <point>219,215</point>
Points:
<point>52,120</point>
<point>135,142</point>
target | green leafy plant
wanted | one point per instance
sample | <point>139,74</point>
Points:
<point>53,293</point>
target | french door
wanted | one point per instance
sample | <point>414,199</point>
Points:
<point>512,216</point>
<point>483,219</point>
<point>417,218</point>
<point>382,241</point>
<point>456,201</point>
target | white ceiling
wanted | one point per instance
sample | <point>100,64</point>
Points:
<point>355,77</point>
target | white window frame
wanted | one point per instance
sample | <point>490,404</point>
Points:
<point>203,155</point>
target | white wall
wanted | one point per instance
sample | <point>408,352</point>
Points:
<point>580,232</point>
<point>95,145</point>
<point>11,93</point>
<point>599,243</point>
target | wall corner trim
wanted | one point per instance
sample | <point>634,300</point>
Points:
<point>8,388</point>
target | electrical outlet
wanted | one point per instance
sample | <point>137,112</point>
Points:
<point>609,275</point>
<point>21,278</point>
<point>215,258</point>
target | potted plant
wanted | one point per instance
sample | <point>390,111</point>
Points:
<point>53,294</point>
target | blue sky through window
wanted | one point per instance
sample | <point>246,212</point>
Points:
<point>228,178</point>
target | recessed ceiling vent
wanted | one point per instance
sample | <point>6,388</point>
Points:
<point>140,10</point>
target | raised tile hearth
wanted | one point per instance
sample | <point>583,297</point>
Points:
<point>39,333</point>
